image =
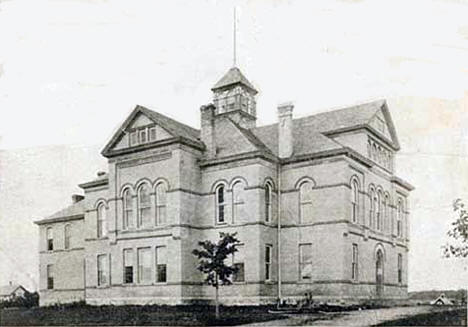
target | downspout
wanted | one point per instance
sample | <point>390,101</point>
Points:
<point>278,178</point>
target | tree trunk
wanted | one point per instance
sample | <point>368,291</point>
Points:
<point>217,299</point>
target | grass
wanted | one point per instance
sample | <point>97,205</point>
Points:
<point>108,315</point>
<point>452,317</point>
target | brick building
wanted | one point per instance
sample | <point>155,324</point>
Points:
<point>315,202</point>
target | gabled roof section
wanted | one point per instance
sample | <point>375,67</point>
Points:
<point>252,138</point>
<point>233,76</point>
<point>311,133</point>
<point>10,289</point>
<point>357,116</point>
<point>74,211</point>
<point>306,140</point>
<point>173,127</point>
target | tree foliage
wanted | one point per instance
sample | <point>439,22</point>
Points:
<point>458,232</point>
<point>211,259</point>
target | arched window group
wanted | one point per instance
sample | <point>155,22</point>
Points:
<point>148,209</point>
<point>379,154</point>
<point>230,200</point>
<point>379,210</point>
<point>237,201</point>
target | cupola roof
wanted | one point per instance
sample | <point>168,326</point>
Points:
<point>232,77</point>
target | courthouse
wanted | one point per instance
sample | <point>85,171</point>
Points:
<point>315,202</point>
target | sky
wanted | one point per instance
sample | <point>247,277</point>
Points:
<point>72,70</point>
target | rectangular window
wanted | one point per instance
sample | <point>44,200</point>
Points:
<point>268,250</point>
<point>50,239</point>
<point>354,263</point>
<point>143,136</point>
<point>161,264</point>
<point>102,269</point>
<point>128,266</point>
<point>305,261</point>
<point>144,265</point>
<point>400,268</point>
<point>238,262</point>
<point>50,277</point>
<point>133,138</point>
<point>67,236</point>
<point>152,134</point>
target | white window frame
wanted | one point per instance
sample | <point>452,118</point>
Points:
<point>103,273</point>
<point>50,239</point>
<point>50,274</point>
<point>127,211</point>
<point>140,269</point>
<point>302,263</point>
<point>237,204</point>
<point>268,194</point>
<point>355,262</point>
<point>219,205</point>
<point>159,262</point>
<point>268,262</point>
<point>354,201</point>
<point>302,202</point>
<point>128,264</point>
<point>140,222</point>
<point>67,236</point>
<point>160,207</point>
<point>101,227</point>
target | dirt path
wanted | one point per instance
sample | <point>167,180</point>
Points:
<point>352,318</point>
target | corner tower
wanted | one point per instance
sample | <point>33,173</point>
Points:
<point>234,96</point>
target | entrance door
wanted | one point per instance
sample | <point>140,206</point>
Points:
<point>379,273</point>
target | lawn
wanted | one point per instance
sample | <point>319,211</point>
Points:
<point>451,317</point>
<point>80,314</point>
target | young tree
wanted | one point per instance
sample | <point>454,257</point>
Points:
<point>458,232</point>
<point>211,261</point>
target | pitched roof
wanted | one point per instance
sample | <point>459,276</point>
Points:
<point>308,131</point>
<point>75,210</point>
<point>98,181</point>
<point>252,138</point>
<point>233,76</point>
<point>172,126</point>
<point>9,289</point>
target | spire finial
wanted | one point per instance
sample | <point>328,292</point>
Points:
<point>235,37</point>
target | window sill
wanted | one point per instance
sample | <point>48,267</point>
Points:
<point>239,283</point>
<point>102,286</point>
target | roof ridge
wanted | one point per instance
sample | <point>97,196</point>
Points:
<point>172,120</point>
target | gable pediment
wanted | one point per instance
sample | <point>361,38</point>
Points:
<point>382,122</point>
<point>136,130</point>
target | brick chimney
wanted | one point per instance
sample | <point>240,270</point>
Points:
<point>207,128</point>
<point>77,198</point>
<point>285,130</point>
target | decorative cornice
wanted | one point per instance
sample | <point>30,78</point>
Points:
<point>59,219</point>
<point>156,144</point>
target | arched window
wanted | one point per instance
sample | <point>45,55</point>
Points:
<point>67,236</point>
<point>305,201</point>
<point>374,152</point>
<point>127,209</point>
<point>161,201</point>
<point>268,189</point>
<point>144,206</point>
<point>237,201</point>
<point>386,224</point>
<point>354,200</point>
<point>220,204</point>
<point>400,218</point>
<point>101,220</point>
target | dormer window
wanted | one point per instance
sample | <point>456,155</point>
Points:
<point>143,135</point>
